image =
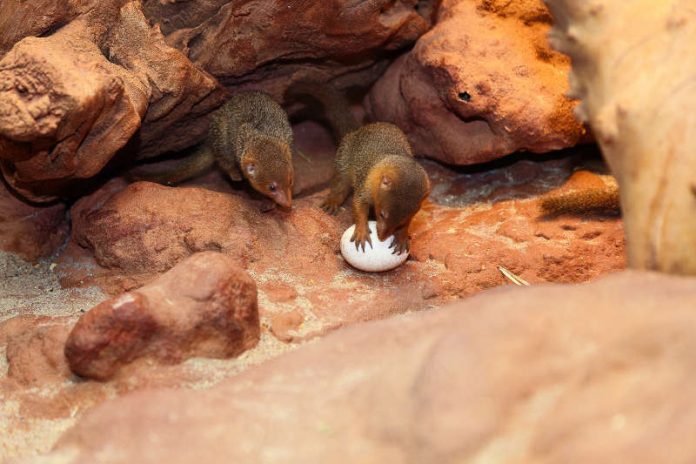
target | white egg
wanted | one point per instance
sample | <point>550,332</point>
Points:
<point>376,259</point>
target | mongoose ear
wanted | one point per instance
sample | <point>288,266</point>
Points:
<point>250,168</point>
<point>386,181</point>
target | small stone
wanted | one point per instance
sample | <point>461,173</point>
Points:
<point>376,258</point>
<point>204,307</point>
<point>283,324</point>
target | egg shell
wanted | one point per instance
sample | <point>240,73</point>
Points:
<point>379,258</point>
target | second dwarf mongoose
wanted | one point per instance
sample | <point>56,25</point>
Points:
<point>376,162</point>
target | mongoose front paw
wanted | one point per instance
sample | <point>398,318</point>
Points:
<point>360,236</point>
<point>401,243</point>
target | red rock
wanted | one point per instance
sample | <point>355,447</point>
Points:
<point>481,84</point>
<point>285,324</point>
<point>31,231</point>
<point>22,19</point>
<point>206,306</point>
<point>148,228</point>
<point>546,374</point>
<point>337,40</point>
<point>35,355</point>
<point>71,99</point>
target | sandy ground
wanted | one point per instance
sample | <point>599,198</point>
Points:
<point>33,289</point>
<point>27,289</point>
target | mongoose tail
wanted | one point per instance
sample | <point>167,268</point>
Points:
<point>601,199</point>
<point>200,161</point>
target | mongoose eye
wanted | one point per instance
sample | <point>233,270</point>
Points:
<point>383,214</point>
<point>272,187</point>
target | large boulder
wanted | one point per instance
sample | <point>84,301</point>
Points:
<point>481,84</point>
<point>148,227</point>
<point>648,141</point>
<point>70,100</point>
<point>548,374</point>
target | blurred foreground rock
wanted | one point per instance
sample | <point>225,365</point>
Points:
<point>647,141</point>
<point>547,374</point>
<point>204,307</point>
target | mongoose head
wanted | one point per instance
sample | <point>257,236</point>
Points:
<point>267,165</point>
<point>399,187</point>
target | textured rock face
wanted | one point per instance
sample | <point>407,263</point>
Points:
<point>206,306</point>
<point>481,84</point>
<point>648,142</point>
<point>269,43</point>
<point>473,223</point>
<point>34,349</point>
<point>84,81</point>
<point>70,100</point>
<point>548,374</point>
<point>31,231</point>
<point>20,19</point>
<point>149,227</point>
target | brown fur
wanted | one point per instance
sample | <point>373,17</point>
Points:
<point>603,199</point>
<point>376,163</point>
<point>249,137</point>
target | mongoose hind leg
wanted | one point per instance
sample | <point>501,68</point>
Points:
<point>361,210</point>
<point>339,191</point>
<point>401,242</point>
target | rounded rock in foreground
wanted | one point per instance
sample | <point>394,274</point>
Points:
<point>379,258</point>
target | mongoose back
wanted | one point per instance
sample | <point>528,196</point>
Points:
<point>376,162</point>
<point>249,137</point>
